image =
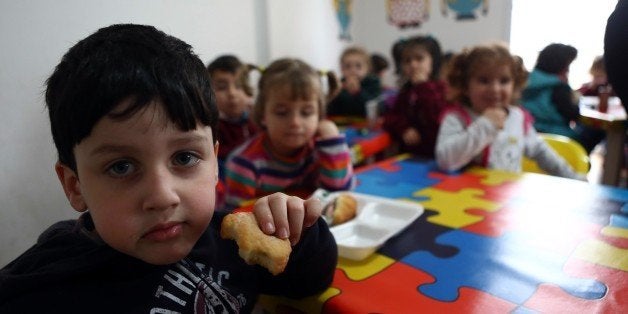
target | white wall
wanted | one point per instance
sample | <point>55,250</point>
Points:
<point>376,34</point>
<point>35,34</point>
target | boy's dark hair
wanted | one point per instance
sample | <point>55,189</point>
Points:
<point>429,43</point>
<point>227,63</point>
<point>231,64</point>
<point>555,58</point>
<point>378,63</point>
<point>119,62</point>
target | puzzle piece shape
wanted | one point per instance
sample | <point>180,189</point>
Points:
<point>394,290</point>
<point>398,172</point>
<point>406,242</point>
<point>556,233</point>
<point>390,179</point>
<point>494,192</point>
<point>311,304</point>
<point>617,233</point>
<point>602,253</point>
<point>358,270</point>
<point>389,164</point>
<point>487,264</point>
<point>452,206</point>
<point>620,220</point>
<point>494,177</point>
<point>551,299</point>
<point>372,184</point>
<point>591,203</point>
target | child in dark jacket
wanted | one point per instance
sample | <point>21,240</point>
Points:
<point>551,100</point>
<point>413,120</point>
<point>133,120</point>
<point>358,85</point>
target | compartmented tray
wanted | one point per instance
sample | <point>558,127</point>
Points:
<point>377,220</point>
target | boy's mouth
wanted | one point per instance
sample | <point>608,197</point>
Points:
<point>164,232</point>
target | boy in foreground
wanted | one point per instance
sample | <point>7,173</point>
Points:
<point>133,120</point>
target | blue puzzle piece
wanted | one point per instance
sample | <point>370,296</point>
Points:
<point>593,203</point>
<point>397,184</point>
<point>372,184</point>
<point>489,264</point>
<point>620,220</point>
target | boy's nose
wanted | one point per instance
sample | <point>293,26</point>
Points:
<point>160,191</point>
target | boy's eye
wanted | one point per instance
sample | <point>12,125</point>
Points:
<point>186,159</point>
<point>121,169</point>
<point>505,80</point>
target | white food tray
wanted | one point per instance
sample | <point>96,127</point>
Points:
<point>377,220</point>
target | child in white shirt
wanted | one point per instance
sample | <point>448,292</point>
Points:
<point>486,128</point>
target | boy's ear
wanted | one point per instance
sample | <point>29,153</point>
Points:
<point>71,186</point>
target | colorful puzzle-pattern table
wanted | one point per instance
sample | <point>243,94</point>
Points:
<point>490,242</point>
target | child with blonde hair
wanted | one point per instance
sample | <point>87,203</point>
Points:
<point>297,150</point>
<point>412,120</point>
<point>599,79</point>
<point>487,128</point>
<point>358,85</point>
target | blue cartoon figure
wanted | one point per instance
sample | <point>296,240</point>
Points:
<point>343,13</point>
<point>464,8</point>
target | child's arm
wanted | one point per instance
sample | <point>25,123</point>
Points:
<point>547,159</point>
<point>240,181</point>
<point>457,145</point>
<point>333,157</point>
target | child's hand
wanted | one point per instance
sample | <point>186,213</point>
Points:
<point>352,84</point>
<point>327,129</point>
<point>285,216</point>
<point>497,115</point>
<point>411,136</point>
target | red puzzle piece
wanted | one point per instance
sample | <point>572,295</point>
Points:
<point>552,299</point>
<point>372,295</point>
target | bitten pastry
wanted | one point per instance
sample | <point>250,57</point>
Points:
<point>342,209</point>
<point>256,247</point>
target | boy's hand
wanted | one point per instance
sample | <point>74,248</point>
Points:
<point>327,129</point>
<point>285,216</point>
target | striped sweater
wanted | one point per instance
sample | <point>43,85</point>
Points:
<point>253,170</point>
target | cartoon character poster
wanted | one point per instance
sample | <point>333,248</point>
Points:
<point>343,14</point>
<point>407,13</point>
<point>464,9</point>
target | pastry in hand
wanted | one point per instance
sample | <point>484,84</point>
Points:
<point>341,209</point>
<point>256,247</point>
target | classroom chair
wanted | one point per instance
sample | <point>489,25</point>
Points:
<point>569,149</point>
